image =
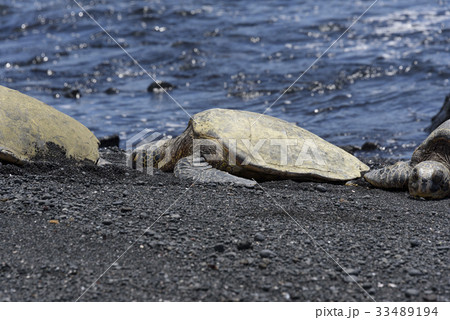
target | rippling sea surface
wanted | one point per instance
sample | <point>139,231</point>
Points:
<point>381,82</point>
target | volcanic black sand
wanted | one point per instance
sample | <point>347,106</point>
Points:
<point>63,225</point>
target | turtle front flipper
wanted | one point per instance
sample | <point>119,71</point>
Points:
<point>391,177</point>
<point>198,169</point>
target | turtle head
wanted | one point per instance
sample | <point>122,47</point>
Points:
<point>156,152</point>
<point>430,179</point>
<point>151,154</point>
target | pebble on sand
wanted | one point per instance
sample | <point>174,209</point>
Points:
<point>267,253</point>
<point>412,292</point>
<point>219,247</point>
<point>259,237</point>
<point>244,245</point>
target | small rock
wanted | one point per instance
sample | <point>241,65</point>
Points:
<point>219,247</point>
<point>200,287</point>
<point>116,266</point>
<point>117,203</point>
<point>246,261</point>
<point>73,94</point>
<point>264,263</point>
<point>414,272</point>
<point>321,188</point>
<point>244,245</point>
<point>112,91</point>
<point>414,243</point>
<point>366,285</point>
<point>392,285</point>
<point>352,271</point>
<point>259,237</point>
<point>213,266</point>
<point>158,86</point>
<point>73,269</point>
<point>369,146</point>
<point>107,222</point>
<point>126,209</point>
<point>231,255</point>
<point>267,253</point>
<point>371,291</point>
<point>109,141</point>
<point>412,292</point>
<point>351,279</point>
<point>350,149</point>
<point>352,183</point>
<point>266,287</point>
<point>430,297</point>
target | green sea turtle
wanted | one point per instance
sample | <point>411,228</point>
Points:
<point>231,146</point>
<point>427,174</point>
<point>29,128</point>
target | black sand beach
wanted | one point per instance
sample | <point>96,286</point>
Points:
<point>63,225</point>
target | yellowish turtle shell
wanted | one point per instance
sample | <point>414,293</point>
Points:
<point>306,156</point>
<point>27,125</point>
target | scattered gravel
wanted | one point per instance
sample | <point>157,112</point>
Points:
<point>62,226</point>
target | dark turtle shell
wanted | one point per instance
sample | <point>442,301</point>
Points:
<point>436,146</point>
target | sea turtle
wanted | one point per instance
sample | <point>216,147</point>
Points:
<point>29,129</point>
<point>427,175</point>
<point>231,146</point>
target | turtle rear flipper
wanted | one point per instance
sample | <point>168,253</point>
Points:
<point>198,169</point>
<point>392,177</point>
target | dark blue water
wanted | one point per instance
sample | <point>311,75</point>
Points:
<point>382,82</point>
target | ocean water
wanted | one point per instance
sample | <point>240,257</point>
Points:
<point>382,81</point>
